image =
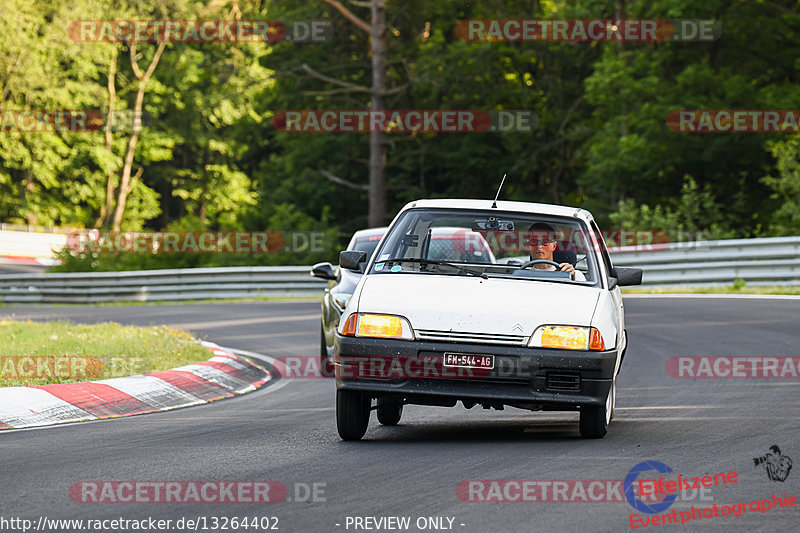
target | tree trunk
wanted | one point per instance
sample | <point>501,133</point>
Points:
<point>377,144</point>
<point>618,189</point>
<point>30,217</point>
<point>105,210</point>
<point>125,184</point>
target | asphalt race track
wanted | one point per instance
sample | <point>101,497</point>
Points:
<point>286,432</point>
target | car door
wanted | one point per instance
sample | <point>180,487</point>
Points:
<point>616,294</point>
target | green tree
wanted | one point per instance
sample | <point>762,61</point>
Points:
<point>786,186</point>
<point>632,155</point>
<point>696,215</point>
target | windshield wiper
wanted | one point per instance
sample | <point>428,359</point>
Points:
<point>423,262</point>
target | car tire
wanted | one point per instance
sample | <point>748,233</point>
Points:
<point>352,414</point>
<point>595,418</point>
<point>325,361</point>
<point>389,411</point>
<point>323,347</point>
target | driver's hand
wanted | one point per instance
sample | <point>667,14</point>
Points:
<point>567,267</point>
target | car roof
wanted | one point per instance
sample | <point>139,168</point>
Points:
<point>502,205</point>
<point>370,232</point>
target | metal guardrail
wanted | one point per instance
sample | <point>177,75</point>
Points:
<point>772,261</point>
<point>160,285</point>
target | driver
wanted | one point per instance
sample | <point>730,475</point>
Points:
<point>542,244</point>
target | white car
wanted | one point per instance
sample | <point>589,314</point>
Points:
<point>479,323</point>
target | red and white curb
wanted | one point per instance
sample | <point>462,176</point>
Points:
<point>222,376</point>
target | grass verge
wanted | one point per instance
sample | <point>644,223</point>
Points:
<point>41,353</point>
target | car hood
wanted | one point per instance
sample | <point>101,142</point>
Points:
<point>469,304</point>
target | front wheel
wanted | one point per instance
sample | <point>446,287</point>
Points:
<point>352,414</point>
<point>389,411</point>
<point>323,346</point>
<point>595,418</point>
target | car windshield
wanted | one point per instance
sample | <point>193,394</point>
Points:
<point>497,244</point>
<point>366,244</point>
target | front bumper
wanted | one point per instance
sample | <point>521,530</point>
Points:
<point>534,378</point>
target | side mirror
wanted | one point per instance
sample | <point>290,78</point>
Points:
<point>353,260</point>
<point>626,276</point>
<point>323,271</point>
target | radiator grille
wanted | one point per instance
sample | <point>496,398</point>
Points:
<point>478,338</point>
<point>564,381</point>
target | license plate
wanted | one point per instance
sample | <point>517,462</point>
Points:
<point>465,360</point>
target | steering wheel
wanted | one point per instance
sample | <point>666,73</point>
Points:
<point>539,261</point>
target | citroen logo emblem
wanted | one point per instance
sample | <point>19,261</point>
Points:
<point>517,326</point>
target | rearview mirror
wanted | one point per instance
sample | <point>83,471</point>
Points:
<point>626,276</point>
<point>492,224</point>
<point>353,260</point>
<point>323,271</point>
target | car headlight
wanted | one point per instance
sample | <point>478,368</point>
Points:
<point>377,325</point>
<point>341,299</point>
<point>567,338</point>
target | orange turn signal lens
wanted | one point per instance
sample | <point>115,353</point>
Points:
<point>596,340</point>
<point>349,329</point>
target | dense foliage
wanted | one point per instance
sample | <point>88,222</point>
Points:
<point>208,155</point>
